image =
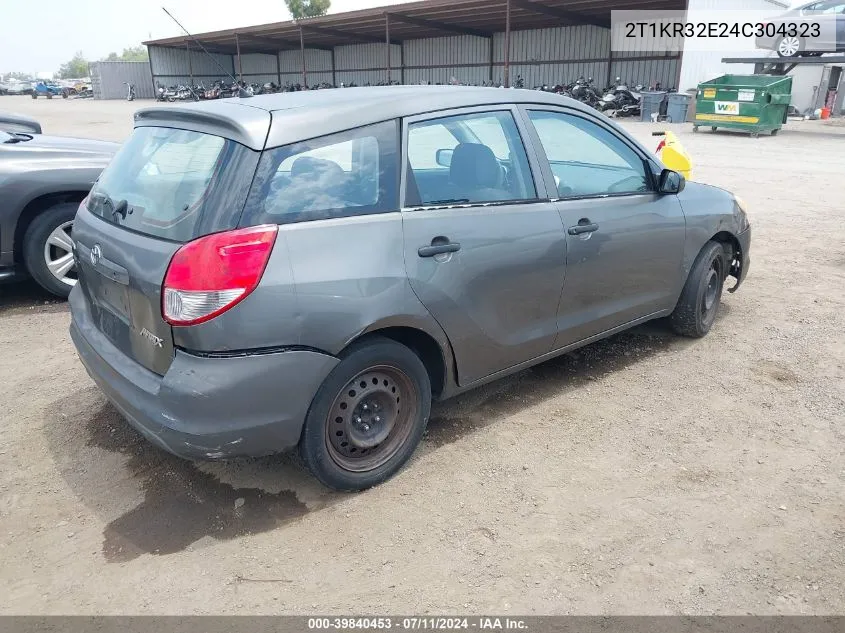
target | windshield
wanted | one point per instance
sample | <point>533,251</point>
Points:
<point>174,184</point>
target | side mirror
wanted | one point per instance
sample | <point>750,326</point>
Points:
<point>671,182</point>
<point>444,157</point>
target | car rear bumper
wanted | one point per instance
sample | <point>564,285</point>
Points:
<point>205,408</point>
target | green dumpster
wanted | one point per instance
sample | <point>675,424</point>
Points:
<point>751,103</point>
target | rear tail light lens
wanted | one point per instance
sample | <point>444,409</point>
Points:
<point>210,275</point>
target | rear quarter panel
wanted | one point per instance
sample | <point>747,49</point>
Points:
<point>327,282</point>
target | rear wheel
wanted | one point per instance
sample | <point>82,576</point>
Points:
<point>48,249</point>
<point>696,310</point>
<point>368,416</point>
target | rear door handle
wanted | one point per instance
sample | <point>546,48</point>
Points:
<point>580,229</point>
<point>438,249</point>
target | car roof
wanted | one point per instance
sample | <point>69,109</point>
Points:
<point>267,121</point>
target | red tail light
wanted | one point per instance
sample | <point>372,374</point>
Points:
<point>208,276</point>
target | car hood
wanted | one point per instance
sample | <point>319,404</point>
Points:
<point>59,148</point>
<point>702,190</point>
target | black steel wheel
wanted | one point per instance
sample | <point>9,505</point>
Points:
<point>699,302</point>
<point>368,415</point>
<point>371,418</point>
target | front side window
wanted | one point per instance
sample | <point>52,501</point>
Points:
<point>587,159</point>
<point>350,173</point>
<point>467,158</point>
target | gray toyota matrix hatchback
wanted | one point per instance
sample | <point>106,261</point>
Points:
<point>310,269</point>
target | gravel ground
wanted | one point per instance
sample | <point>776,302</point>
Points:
<point>646,474</point>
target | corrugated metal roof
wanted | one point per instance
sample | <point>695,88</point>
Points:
<point>415,20</point>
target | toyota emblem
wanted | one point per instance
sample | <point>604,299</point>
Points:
<point>96,254</point>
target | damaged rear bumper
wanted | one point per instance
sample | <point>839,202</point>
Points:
<point>206,408</point>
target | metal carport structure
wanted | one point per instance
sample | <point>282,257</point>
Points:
<point>489,32</point>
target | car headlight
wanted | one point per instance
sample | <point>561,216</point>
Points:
<point>741,213</point>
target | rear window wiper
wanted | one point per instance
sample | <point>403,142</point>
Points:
<point>15,137</point>
<point>117,208</point>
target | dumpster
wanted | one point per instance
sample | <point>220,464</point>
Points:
<point>751,103</point>
<point>651,104</point>
<point>677,108</point>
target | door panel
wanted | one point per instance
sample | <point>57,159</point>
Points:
<point>496,298</point>
<point>628,268</point>
<point>624,241</point>
<point>484,252</point>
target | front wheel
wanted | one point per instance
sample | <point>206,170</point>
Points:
<point>789,46</point>
<point>368,416</point>
<point>696,310</point>
<point>48,249</point>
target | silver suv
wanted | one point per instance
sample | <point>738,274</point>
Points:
<point>311,269</point>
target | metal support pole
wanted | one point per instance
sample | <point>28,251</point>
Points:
<point>387,43</point>
<point>278,69</point>
<point>402,62</point>
<point>240,64</point>
<point>507,77</point>
<point>334,75</point>
<point>190,63</point>
<point>302,55</point>
<point>152,76</point>
<point>491,59</point>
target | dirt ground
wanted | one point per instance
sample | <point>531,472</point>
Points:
<point>646,474</point>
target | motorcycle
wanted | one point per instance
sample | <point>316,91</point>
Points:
<point>620,101</point>
<point>130,91</point>
<point>584,91</point>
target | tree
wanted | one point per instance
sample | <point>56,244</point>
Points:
<point>307,8</point>
<point>132,54</point>
<point>74,69</point>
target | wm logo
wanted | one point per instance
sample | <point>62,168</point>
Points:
<point>726,107</point>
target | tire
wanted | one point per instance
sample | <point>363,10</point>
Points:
<point>789,47</point>
<point>35,245</point>
<point>49,95</point>
<point>344,444</point>
<point>34,96</point>
<point>696,309</point>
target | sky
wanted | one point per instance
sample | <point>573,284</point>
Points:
<point>98,27</point>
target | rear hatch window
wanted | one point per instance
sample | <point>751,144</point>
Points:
<point>163,188</point>
<point>174,184</point>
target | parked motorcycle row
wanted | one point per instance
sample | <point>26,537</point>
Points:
<point>617,100</point>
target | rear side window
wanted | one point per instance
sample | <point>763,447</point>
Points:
<point>174,184</point>
<point>467,158</point>
<point>350,173</point>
